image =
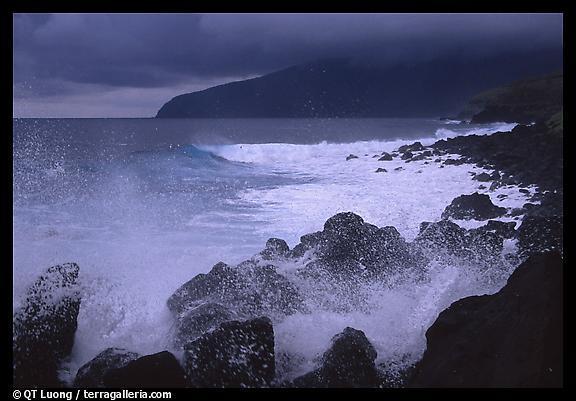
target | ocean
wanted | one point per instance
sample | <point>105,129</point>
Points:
<point>143,205</point>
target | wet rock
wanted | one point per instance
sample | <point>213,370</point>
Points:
<point>407,155</point>
<point>381,170</point>
<point>510,339</point>
<point>447,238</point>
<point>200,320</point>
<point>385,157</point>
<point>474,206</point>
<point>349,246</point>
<point>539,234</point>
<point>422,156</point>
<point>351,156</point>
<point>503,229</point>
<point>517,211</point>
<point>161,370</point>
<point>443,236</point>
<point>513,153</point>
<point>415,147</point>
<point>482,177</point>
<point>237,354</point>
<point>250,289</point>
<point>484,246</point>
<point>349,362</point>
<point>275,248</point>
<point>91,374</point>
<point>44,327</point>
<point>454,162</point>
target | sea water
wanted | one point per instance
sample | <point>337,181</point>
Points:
<point>143,205</point>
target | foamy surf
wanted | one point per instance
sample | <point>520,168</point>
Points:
<point>141,227</point>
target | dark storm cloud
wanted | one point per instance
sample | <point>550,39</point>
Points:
<point>147,50</point>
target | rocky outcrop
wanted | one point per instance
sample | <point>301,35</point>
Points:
<point>385,157</point>
<point>454,162</point>
<point>349,362</point>
<point>351,156</point>
<point>521,102</point>
<point>44,327</point>
<point>199,320</point>
<point>161,370</point>
<point>91,375</point>
<point>540,234</point>
<point>249,289</point>
<point>510,339</point>
<point>445,238</point>
<point>275,248</point>
<point>530,154</point>
<point>237,354</point>
<point>503,229</point>
<point>475,206</point>
<point>414,147</point>
<point>349,246</point>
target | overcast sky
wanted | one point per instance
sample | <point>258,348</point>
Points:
<point>128,65</point>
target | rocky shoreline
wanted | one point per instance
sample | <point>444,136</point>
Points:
<point>224,319</point>
<point>224,327</point>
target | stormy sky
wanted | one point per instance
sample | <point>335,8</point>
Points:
<point>128,65</point>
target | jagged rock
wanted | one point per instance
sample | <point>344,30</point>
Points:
<point>385,157</point>
<point>513,154</point>
<point>454,162</point>
<point>237,354</point>
<point>348,245</point>
<point>448,238</point>
<point>443,235</point>
<point>200,320</point>
<point>539,234</point>
<point>44,327</point>
<point>250,289</point>
<point>510,339</point>
<point>351,156</point>
<point>275,248</point>
<point>482,177</point>
<point>495,185</point>
<point>474,206</point>
<point>91,374</point>
<point>407,155</point>
<point>381,170</point>
<point>158,370</point>
<point>505,230</point>
<point>349,362</point>
<point>415,147</point>
<point>422,156</point>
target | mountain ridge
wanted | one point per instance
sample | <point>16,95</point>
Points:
<point>347,88</point>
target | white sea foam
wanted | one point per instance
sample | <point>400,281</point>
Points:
<point>444,133</point>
